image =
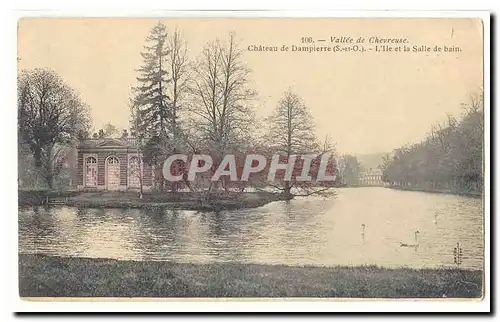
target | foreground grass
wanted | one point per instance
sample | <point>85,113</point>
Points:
<point>48,276</point>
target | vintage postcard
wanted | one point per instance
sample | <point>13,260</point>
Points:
<point>267,157</point>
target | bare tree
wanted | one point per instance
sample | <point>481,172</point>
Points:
<point>222,99</point>
<point>179,71</point>
<point>177,91</point>
<point>291,132</point>
<point>291,128</point>
<point>49,113</point>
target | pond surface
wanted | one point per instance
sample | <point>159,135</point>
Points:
<point>307,231</point>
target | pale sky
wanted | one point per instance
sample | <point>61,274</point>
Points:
<point>370,102</point>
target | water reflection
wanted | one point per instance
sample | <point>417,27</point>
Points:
<point>359,226</point>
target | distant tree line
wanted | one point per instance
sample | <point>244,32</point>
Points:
<point>450,157</point>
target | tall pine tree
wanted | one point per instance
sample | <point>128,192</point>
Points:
<point>151,108</point>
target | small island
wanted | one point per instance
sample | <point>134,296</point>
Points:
<point>130,199</point>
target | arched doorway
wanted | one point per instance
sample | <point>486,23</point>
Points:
<point>112,173</point>
<point>90,172</point>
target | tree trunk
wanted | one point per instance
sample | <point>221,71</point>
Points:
<point>50,180</point>
<point>287,191</point>
<point>174,184</point>
<point>209,191</point>
<point>162,184</point>
<point>49,167</point>
<point>38,156</point>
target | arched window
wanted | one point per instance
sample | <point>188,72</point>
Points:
<point>134,161</point>
<point>112,173</point>
<point>91,160</point>
<point>113,160</point>
<point>90,172</point>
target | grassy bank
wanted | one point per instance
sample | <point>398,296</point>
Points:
<point>41,196</point>
<point>128,199</point>
<point>48,276</point>
<point>467,193</point>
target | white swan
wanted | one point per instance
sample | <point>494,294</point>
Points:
<point>411,245</point>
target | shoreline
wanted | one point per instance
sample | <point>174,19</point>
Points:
<point>129,199</point>
<point>182,200</point>
<point>472,194</point>
<point>51,276</point>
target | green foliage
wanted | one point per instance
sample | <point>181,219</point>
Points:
<point>451,157</point>
<point>150,105</point>
<point>51,115</point>
<point>61,164</point>
<point>349,170</point>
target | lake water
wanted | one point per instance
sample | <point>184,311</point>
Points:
<point>307,231</point>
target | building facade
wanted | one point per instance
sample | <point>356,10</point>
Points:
<point>112,164</point>
<point>372,177</point>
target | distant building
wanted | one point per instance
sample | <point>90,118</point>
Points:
<point>112,164</point>
<point>372,177</point>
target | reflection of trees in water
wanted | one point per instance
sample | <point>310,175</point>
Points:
<point>36,229</point>
<point>217,224</point>
<point>49,230</point>
<point>295,225</point>
<point>291,232</point>
<point>35,222</point>
<point>216,230</point>
<point>301,212</point>
<point>228,234</point>
<point>107,232</point>
<point>227,223</point>
<point>162,231</point>
<point>159,233</point>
